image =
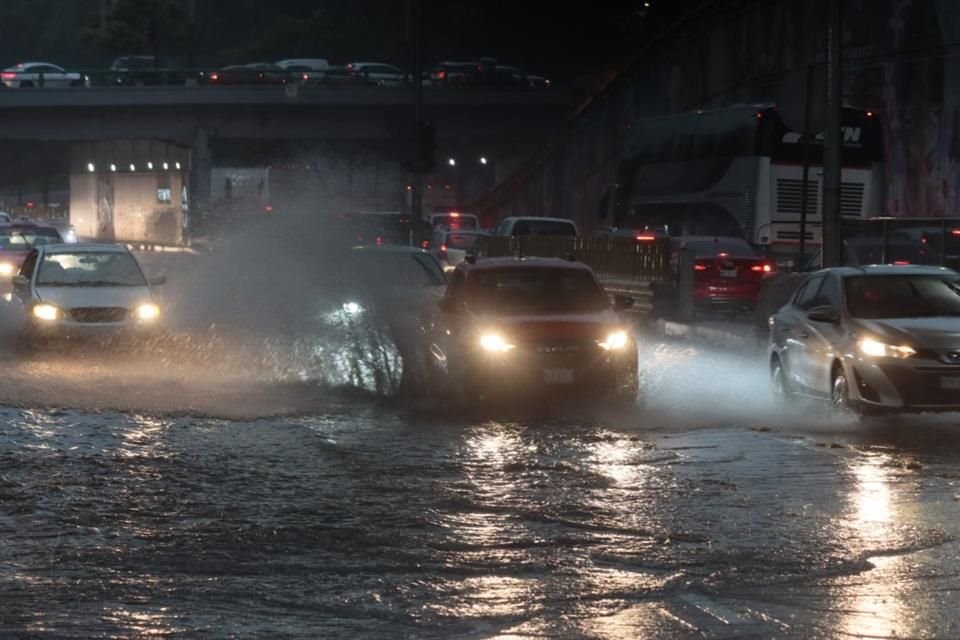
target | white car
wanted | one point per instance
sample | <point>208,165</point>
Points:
<point>85,290</point>
<point>41,74</point>
<point>382,75</point>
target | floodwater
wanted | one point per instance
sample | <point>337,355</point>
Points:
<point>230,485</point>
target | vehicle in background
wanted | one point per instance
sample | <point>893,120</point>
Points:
<point>78,290</point>
<point>451,246</point>
<point>309,71</point>
<point>454,220</point>
<point>873,250</point>
<point>5,217</point>
<point>340,76</point>
<point>870,339</point>
<point>681,220</point>
<point>728,275</point>
<point>379,228</point>
<point>382,75</point>
<point>41,74</point>
<point>18,239</point>
<point>257,73</point>
<point>63,227</point>
<point>747,165</point>
<point>144,71</point>
<point>455,74</point>
<point>947,245</point>
<point>538,82</point>
<point>536,226</point>
<point>516,328</point>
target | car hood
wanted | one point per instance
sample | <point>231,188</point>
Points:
<point>73,297</point>
<point>580,326</point>
<point>933,333</point>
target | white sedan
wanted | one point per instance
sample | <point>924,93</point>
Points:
<point>41,74</point>
<point>85,290</point>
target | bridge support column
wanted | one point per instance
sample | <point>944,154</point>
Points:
<point>201,170</point>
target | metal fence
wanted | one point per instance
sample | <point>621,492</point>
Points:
<point>610,258</point>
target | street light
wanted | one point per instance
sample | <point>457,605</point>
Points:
<point>483,160</point>
<point>452,162</point>
<point>91,167</point>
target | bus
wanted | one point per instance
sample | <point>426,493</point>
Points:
<point>740,170</point>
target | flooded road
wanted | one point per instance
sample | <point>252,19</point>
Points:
<point>230,486</point>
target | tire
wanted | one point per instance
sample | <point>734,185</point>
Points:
<point>840,404</point>
<point>779,384</point>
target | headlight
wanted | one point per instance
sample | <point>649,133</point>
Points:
<point>495,343</point>
<point>46,312</point>
<point>147,312</point>
<point>876,349</point>
<point>352,308</point>
<point>615,341</point>
<point>7,269</point>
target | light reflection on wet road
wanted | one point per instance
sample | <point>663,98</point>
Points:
<point>352,519</point>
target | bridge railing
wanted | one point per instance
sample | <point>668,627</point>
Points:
<point>612,259</point>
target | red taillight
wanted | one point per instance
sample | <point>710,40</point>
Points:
<point>869,114</point>
<point>214,76</point>
<point>901,263</point>
<point>955,232</point>
<point>646,238</point>
<point>722,254</point>
<point>425,244</point>
<point>441,75</point>
<point>699,267</point>
<point>443,248</point>
<point>924,239</point>
<point>454,214</point>
<point>379,241</point>
<point>762,268</point>
<point>8,75</point>
<point>306,77</point>
<point>268,208</point>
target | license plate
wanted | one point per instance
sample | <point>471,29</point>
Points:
<point>950,382</point>
<point>728,273</point>
<point>558,376</point>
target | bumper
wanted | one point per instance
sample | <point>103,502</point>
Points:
<point>70,329</point>
<point>910,385</point>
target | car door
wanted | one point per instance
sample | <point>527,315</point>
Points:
<point>790,333</point>
<point>823,338</point>
<point>448,331</point>
<point>23,291</point>
<point>52,77</point>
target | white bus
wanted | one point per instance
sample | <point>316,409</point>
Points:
<point>713,172</point>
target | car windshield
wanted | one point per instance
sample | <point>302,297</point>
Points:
<point>23,239</point>
<point>733,247</point>
<point>533,291</point>
<point>90,269</point>
<point>879,297</point>
<point>543,228</point>
<point>387,268</point>
<point>455,222</point>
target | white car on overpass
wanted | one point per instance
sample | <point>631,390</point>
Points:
<point>41,74</point>
<point>84,290</point>
<point>382,75</point>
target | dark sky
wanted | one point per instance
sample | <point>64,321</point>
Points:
<point>560,39</point>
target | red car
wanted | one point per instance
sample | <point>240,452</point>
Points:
<point>17,239</point>
<point>520,328</point>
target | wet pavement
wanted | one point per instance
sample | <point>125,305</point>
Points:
<point>231,487</point>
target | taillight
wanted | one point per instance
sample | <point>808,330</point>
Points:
<point>379,241</point>
<point>443,248</point>
<point>699,267</point>
<point>441,75</point>
<point>306,77</point>
<point>955,232</point>
<point>8,75</point>
<point>901,263</point>
<point>646,238</point>
<point>762,268</point>
<point>214,76</point>
<point>425,244</point>
<point>268,208</point>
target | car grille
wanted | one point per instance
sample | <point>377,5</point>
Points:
<point>99,314</point>
<point>921,387</point>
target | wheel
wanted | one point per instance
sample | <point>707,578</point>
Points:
<point>26,84</point>
<point>779,383</point>
<point>840,404</point>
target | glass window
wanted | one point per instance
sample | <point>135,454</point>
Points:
<point>807,296</point>
<point>25,238</point>
<point>90,269</point>
<point>535,290</point>
<point>26,269</point>
<point>878,297</point>
<point>544,228</point>
<point>829,294</point>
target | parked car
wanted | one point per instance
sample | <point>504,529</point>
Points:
<point>518,328</point>
<point>18,239</point>
<point>536,226</point>
<point>144,70</point>
<point>309,71</point>
<point>455,74</point>
<point>84,290</point>
<point>41,74</point>
<point>451,246</point>
<point>257,73</point>
<point>382,75</point>
<point>871,339</point>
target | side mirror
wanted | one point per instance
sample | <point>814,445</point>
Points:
<point>448,305</point>
<point>622,303</point>
<point>825,314</point>
<point>20,281</point>
<point>158,280</point>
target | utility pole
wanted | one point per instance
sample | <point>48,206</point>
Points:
<point>416,44</point>
<point>832,142</point>
<point>807,134</point>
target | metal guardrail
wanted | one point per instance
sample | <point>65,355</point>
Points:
<point>613,259</point>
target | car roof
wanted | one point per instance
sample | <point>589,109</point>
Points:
<point>495,264</point>
<point>390,248</point>
<point>541,218</point>
<point>887,270</point>
<point>23,65</point>
<point>85,247</point>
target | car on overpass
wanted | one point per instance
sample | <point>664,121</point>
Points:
<point>870,339</point>
<point>127,71</point>
<point>528,328</point>
<point>377,73</point>
<point>309,70</point>
<point>256,73</point>
<point>84,290</point>
<point>41,75</point>
<point>18,239</point>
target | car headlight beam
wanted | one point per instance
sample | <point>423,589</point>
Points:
<point>495,343</point>
<point>615,341</point>
<point>147,312</point>
<point>877,349</point>
<point>7,269</point>
<point>46,312</point>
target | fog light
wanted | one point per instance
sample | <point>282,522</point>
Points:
<point>147,312</point>
<point>46,312</point>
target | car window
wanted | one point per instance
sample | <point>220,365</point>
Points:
<point>829,294</point>
<point>90,269</point>
<point>25,238</point>
<point>878,297</point>
<point>807,296</point>
<point>28,266</point>
<point>533,291</point>
<point>733,247</point>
